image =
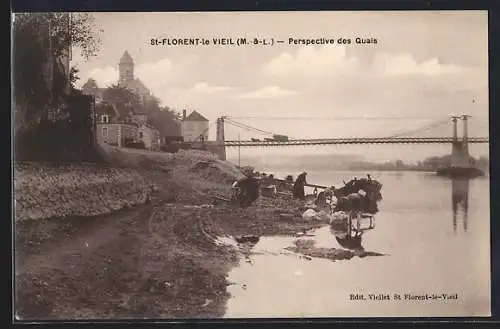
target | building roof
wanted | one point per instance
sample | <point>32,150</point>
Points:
<point>105,108</point>
<point>90,88</point>
<point>121,109</point>
<point>195,116</point>
<point>90,84</point>
<point>126,58</point>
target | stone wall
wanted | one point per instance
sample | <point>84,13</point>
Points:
<point>43,191</point>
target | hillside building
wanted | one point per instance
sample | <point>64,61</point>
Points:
<point>194,127</point>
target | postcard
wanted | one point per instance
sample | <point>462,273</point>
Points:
<point>223,165</point>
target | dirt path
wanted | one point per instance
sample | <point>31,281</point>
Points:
<point>66,265</point>
<point>69,239</point>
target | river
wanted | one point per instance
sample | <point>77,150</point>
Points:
<point>434,232</point>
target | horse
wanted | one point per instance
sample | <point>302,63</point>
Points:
<point>354,202</point>
<point>348,196</point>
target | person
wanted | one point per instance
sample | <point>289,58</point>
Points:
<point>249,189</point>
<point>298,187</point>
<point>323,197</point>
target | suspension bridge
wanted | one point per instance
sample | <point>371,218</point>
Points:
<point>460,159</point>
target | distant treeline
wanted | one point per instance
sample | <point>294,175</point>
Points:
<point>429,164</point>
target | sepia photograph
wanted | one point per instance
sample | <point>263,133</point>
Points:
<point>221,165</point>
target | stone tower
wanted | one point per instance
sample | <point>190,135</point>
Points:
<point>219,139</point>
<point>126,68</point>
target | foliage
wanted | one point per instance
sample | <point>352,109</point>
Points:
<point>135,144</point>
<point>40,80</point>
<point>152,105</point>
<point>429,164</point>
<point>161,117</point>
<point>52,119</point>
<point>122,95</point>
<point>73,76</point>
<point>69,140</point>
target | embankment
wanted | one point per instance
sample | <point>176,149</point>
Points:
<point>45,191</point>
<point>157,260</point>
<point>127,179</point>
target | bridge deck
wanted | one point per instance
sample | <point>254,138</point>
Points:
<point>333,141</point>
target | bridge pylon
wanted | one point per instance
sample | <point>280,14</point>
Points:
<point>459,148</point>
<point>460,164</point>
<point>220,148</point>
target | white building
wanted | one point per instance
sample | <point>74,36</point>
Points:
<point>194,127</point>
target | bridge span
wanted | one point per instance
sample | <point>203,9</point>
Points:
<point>460,162</point>
<point>338,141</point>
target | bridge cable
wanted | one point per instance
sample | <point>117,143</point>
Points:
<point>248,128</point>
<point>238,125</point>
<point>333,118</point>
<point>421,129</point>
<point>204,131</point>
<point>402,134</point>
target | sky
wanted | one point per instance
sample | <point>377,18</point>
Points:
<point>424,67</point>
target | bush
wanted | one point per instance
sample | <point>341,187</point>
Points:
<point>135,145</point>
<point>170,148</point>
<point>185,146</point>
<point>65,139</point>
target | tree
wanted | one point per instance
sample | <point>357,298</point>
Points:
<point>52,119</point>
<point>483,162</point>
<point>399,164</point>
<point>73,77</point>
<point>40,41</point>
<point>152,105</point>
<point>116,94</point>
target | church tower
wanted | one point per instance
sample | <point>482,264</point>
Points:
<point>126,68</point>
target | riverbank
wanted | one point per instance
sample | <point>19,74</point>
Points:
<point>158,259</point>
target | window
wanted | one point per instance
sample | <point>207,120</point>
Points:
<point>105,132</point>
<point>104,118</point>
<point>140,134</point>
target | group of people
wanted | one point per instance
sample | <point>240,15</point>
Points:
<point>246,189</point>
<point>355,195</point>
<point>321,197</point>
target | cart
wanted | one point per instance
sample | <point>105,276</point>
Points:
<point>360,222</point>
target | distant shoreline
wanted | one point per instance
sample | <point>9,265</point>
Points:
<point>395,170</point>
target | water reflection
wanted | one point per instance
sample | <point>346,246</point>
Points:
<point>313,275</point>
<point>460,202</point>
<point>349,235</point>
